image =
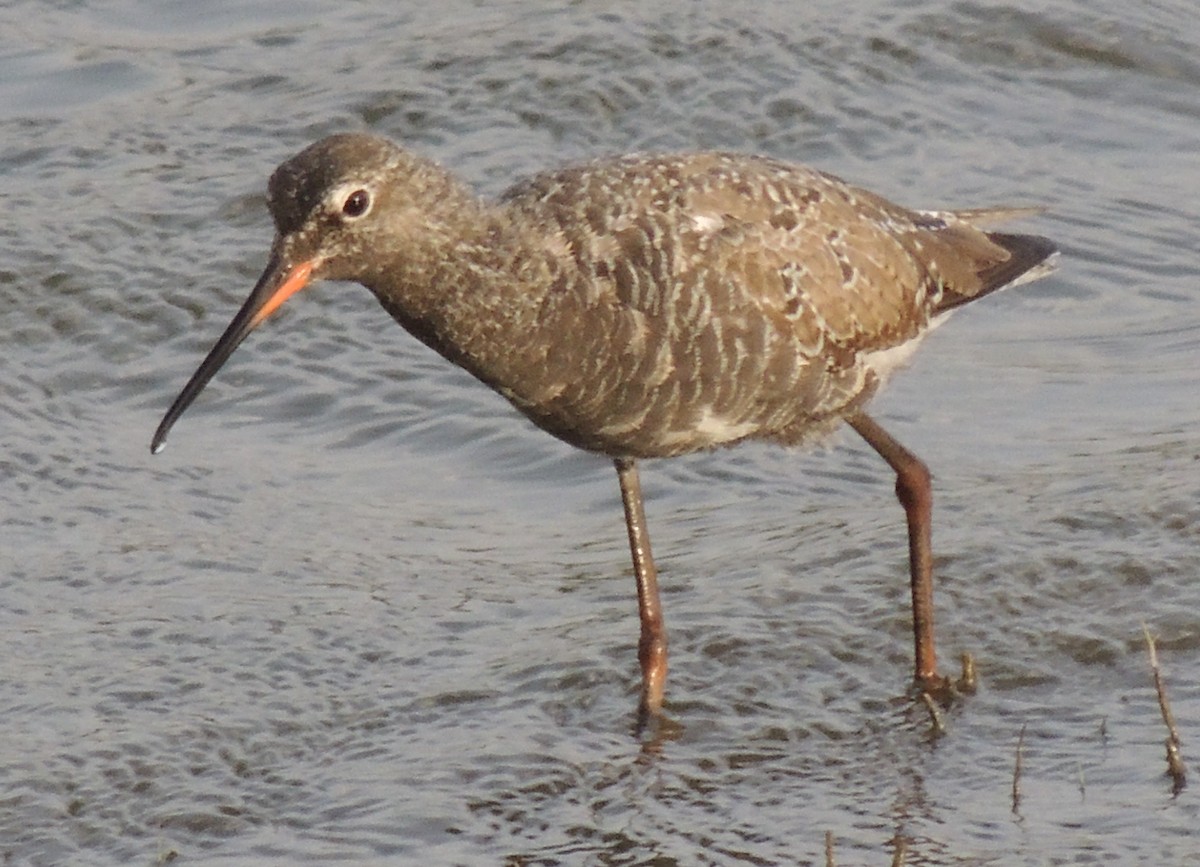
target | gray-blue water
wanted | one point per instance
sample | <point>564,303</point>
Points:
<point>360,612</point>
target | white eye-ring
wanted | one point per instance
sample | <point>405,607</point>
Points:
<point>352,201</point>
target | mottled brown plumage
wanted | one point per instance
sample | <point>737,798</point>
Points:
<point>645,306</point>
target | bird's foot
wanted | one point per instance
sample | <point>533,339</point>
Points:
<point>655,729</point>
<point>946,691</point>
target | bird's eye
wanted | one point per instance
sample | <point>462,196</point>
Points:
<point>356,203</point>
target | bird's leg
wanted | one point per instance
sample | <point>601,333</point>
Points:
<point>915,492</point>
<point>652,647</point>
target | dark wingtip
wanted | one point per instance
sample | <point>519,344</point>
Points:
<point>1026,253</point>
<point>1030,257</point>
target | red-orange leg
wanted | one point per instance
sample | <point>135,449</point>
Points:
<point>652,647</point>
<point>915,492</point>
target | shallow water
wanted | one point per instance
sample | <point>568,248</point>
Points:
<point>359,611</point>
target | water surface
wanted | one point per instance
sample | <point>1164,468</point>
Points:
<point>359,611</point>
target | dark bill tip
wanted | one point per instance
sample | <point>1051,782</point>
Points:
<point>277,283</point>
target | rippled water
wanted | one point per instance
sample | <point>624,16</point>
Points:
<point>360,612</point>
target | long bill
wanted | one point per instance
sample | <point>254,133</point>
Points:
<point>277,283</point>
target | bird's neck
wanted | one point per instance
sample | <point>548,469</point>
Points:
<point>471,283</point>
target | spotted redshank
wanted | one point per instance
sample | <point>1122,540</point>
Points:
<point>647,306</point>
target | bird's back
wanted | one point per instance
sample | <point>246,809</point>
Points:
<point>714,297</point>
